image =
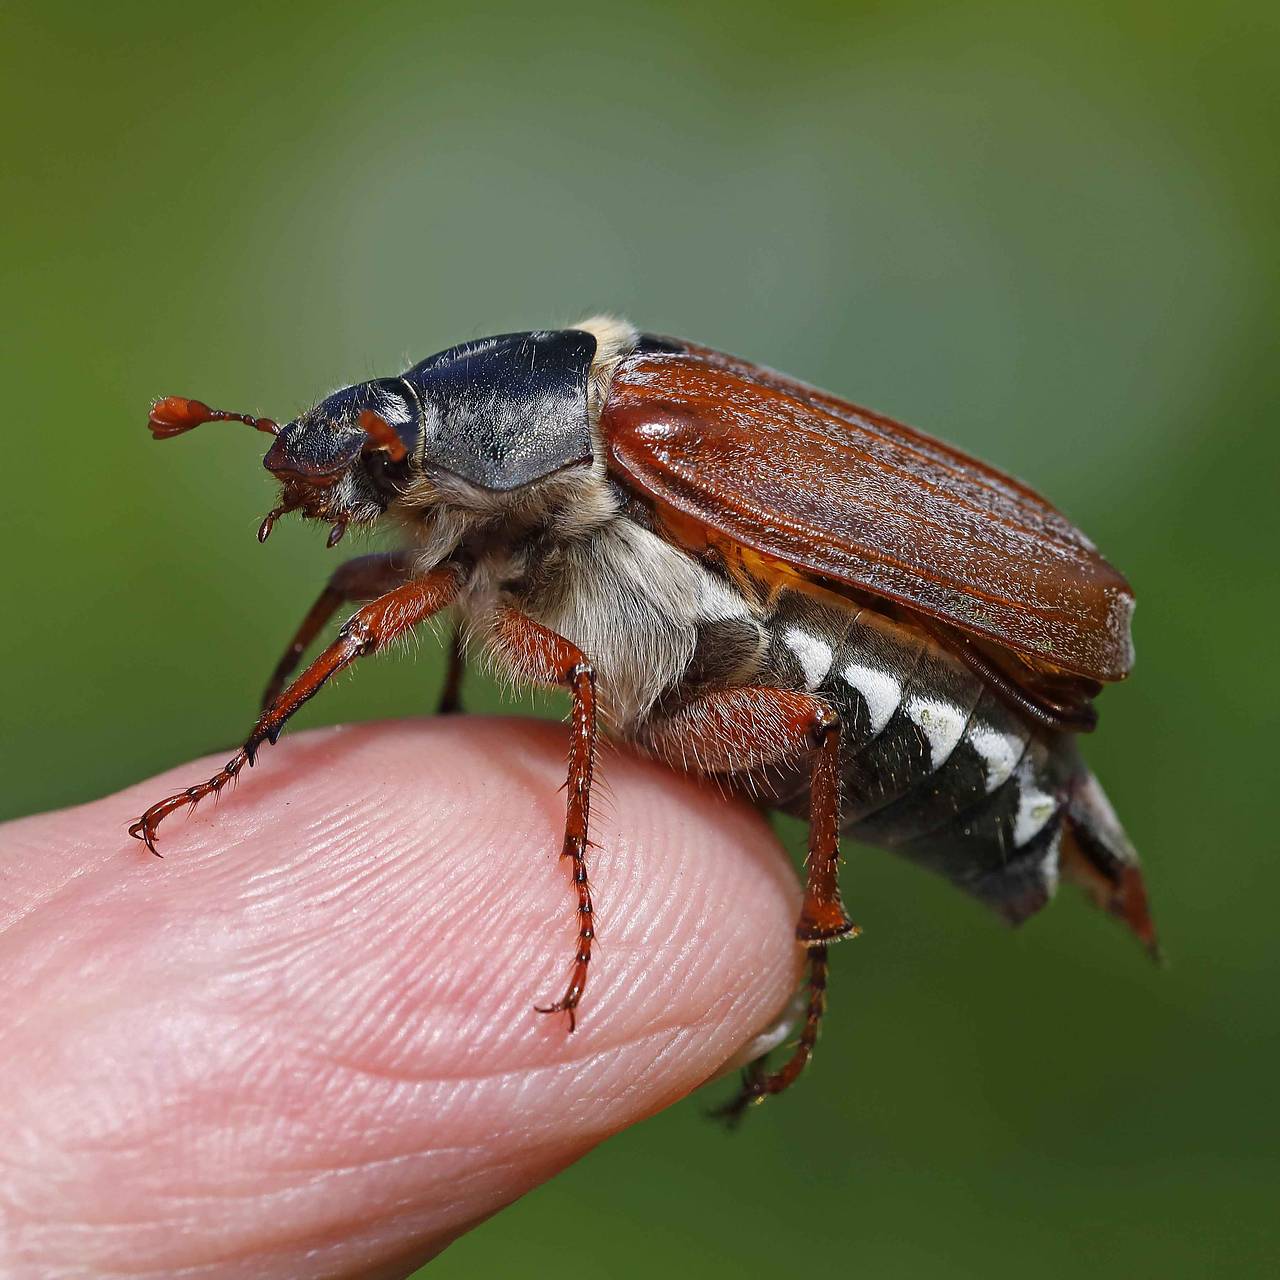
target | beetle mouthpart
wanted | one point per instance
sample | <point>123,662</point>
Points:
<point>172,415</point>
<point>269,520</point>
<point>382,436</point>
<point>336,533</point>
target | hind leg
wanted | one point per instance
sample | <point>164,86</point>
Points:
<point>734,730</point>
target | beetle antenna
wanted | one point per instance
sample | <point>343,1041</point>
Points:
<point>172,415</point>
<point>382,435</point>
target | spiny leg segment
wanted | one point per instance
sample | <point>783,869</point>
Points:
<point>541,655</point>
<point>366,631</point>
<point>822,918</point>
<point>720,731</point>
<point>364,578</point>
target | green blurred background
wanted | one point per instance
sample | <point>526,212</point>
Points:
<point>1047,232</point>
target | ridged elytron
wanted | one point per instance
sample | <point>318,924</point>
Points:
<point>743,576</point>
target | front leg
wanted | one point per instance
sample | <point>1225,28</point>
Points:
<point>539,655</point>
<point>366,631</point>
<point>739,730</point>
<point>364,578</point>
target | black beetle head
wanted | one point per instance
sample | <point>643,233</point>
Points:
<point>345,459</point>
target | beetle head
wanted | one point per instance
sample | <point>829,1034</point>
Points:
<point>342,461</point>
<point>497,414</point>
<point>345,460</point>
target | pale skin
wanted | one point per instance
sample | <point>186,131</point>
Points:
<point>304,1043</point>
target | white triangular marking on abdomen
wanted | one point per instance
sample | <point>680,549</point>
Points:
<point>814,655</point>
<point>942,724</point>
<point>1000,753</point>
<point>880,691</point>
<point>1049,866</point>
<point>1035,808</point>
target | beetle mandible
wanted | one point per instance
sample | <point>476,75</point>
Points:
<point>743,576</point>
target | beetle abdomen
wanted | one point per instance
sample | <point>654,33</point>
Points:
<point>935,764</point>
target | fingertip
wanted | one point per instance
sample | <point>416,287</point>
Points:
<point>356,939</point>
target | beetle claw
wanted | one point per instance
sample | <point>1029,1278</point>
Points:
<point>560,1006</point>
<point>145,831</point>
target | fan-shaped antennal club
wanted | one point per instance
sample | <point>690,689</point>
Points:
<point>173,415</point>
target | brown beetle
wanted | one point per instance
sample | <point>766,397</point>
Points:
<point>745,577</point>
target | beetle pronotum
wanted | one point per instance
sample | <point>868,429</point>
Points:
<point>743,576</point>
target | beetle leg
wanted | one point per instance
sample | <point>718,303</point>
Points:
<point>364,578</point>
<point>366,631</point>
<point>451,693</point>
<point>822,917</point>
<point>735,729</point>
<point>540,655</point>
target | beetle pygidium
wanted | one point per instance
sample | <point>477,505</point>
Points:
<point>747,578</point>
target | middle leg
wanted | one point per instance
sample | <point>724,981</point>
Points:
<point>539,655</point>
<point>451,692</point>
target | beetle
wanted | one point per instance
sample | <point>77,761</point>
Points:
<point>740,575</point>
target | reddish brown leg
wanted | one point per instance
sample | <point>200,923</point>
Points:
<point>366,631</point>
<point>737,729</point>
<point>364,578</point>
<point>544,657</point>
<point>451,693</point>
<point>759,1084</point>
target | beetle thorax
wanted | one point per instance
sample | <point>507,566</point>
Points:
<point>564,554</point>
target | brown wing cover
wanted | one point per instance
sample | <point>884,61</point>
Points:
<point>856,498</point>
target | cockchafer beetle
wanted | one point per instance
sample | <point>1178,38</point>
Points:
<point>743,576</point>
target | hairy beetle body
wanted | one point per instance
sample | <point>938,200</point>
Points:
<point>744,577</point>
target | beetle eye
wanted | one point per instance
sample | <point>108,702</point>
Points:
<point>386,477</point>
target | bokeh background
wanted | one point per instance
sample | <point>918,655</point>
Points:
<point>1045,231</point>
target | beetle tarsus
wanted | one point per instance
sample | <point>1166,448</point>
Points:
<point>144,831</point>
<point>561,1006</point>
<point>749,1095</point>
<point>146,828</point>
<point>759,1084</point>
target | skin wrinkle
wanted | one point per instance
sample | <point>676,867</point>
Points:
<point>322,999</point>
<point>343,1233</point>
<point>76,863</point>
<point>372,1218</point>
<point>97,1225</point>
<point>308,1177</point>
